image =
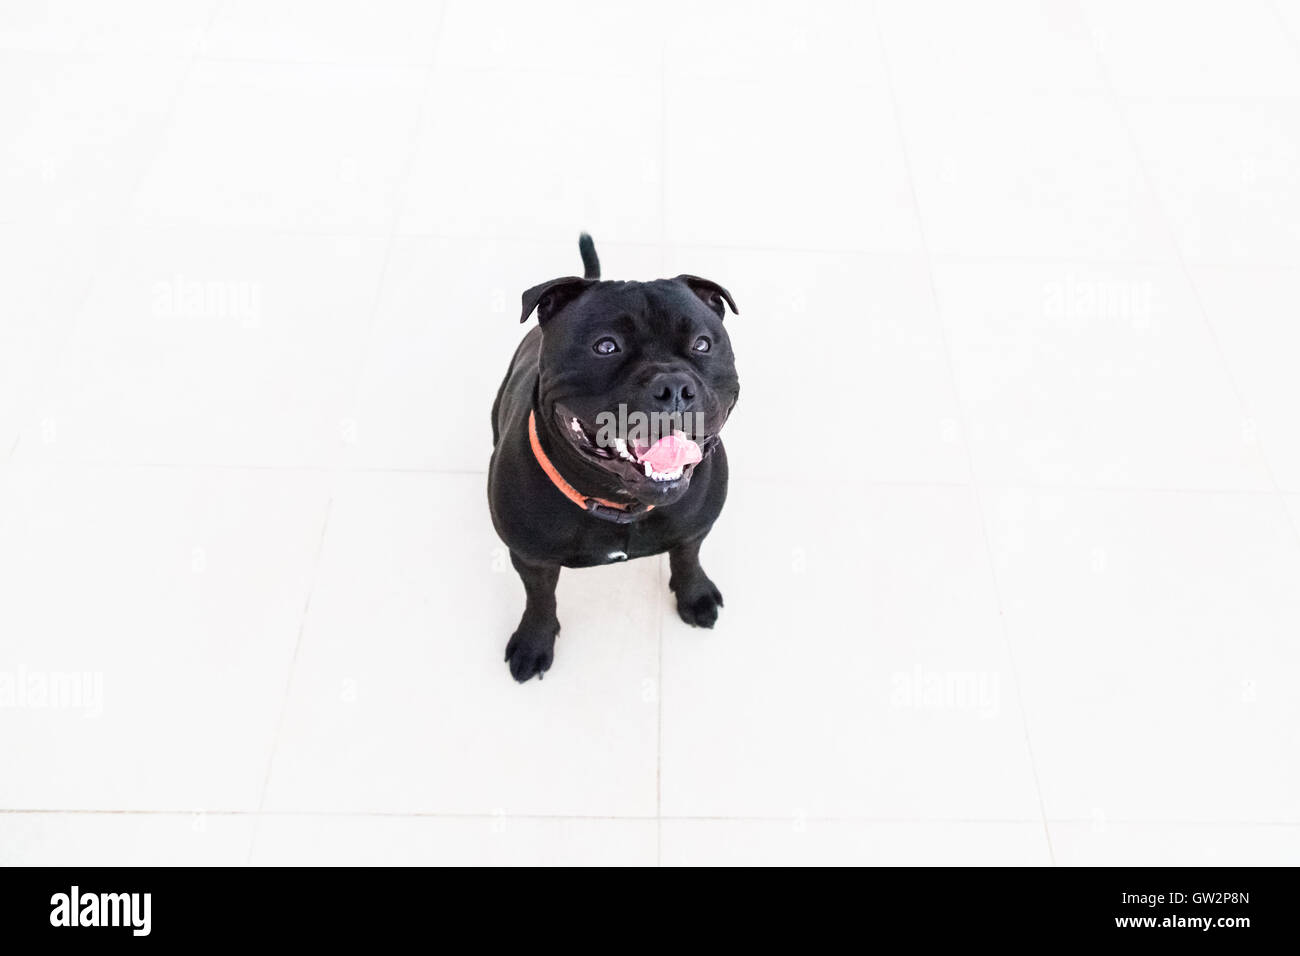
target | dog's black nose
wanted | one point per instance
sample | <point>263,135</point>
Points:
<point>671,392</point>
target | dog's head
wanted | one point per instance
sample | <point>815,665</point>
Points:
<point>638,377</point>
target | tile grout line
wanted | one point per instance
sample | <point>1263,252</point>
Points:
<point>400,189</point>
<point>404,65</point>
<point>59,348</point>
<point>482,472</point>
<point>1243,406</point>
<point>400,196</point>
<point>327,64</point>
<point>630,818</point>
<point>875,255</point>
<point>659,560</point>
<point>280,469</point>
<point>288,682</point>
<point>970,460</point>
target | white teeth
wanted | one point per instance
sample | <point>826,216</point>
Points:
<point>576,425</point>
<point>663,475</point>
<point>621,447</point>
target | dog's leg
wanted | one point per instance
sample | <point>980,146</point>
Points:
<point>532,646</point>
<point>698,599</point>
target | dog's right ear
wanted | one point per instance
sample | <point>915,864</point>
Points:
<point>549,297</point>
<point>710,293</point>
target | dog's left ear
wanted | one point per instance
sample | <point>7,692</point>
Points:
<point>710,293</point>
<point>549,297</point>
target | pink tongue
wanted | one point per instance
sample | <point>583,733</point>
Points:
<point>671,452</point>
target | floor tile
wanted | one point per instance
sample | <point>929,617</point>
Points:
<point>213,349</point>
<point>47,276</point>
<point>1029,177</point>
<point>582,38</point>
<point>862,662</point>
<point>1093,375</point>
<point>1152,637</point>
<point>1225,177</point>
<point>155,29</point>
<point>149,620</point>
<point>1288,12</point>
<point>840,843</point>
<point>1050,50</point>
<point>834,41</point>
<point>150,28</point>
<point>287,147</point>
<point>776,164</point>
<point>77,133</point>
<point>1293,506</point>
<point>1198,48</point>
<point>39,26</point>
<point>401,701</point>
<point>452,841</point>
<point>1250,312</point>
<point>381,32</point>
<point>1165,844</point>
<point>123,839</point>
<point>512,155</point>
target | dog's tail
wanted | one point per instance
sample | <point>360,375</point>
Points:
<point>590,264</point>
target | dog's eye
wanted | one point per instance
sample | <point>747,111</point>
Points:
<point>605,346</point>
<point>702,344</point>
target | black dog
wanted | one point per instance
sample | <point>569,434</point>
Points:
<point>567,491</point>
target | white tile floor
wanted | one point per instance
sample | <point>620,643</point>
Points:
<point>1023,279</point>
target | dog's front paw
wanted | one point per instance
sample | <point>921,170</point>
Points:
<point>530,652</point>
<point>698,601</point>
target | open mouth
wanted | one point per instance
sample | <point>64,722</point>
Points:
<point>669,459</point>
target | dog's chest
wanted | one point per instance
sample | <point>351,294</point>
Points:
<point>613,543</point>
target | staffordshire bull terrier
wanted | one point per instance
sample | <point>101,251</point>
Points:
<point>605,439</point>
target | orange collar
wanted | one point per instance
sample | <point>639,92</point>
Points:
<point>615,511</point>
